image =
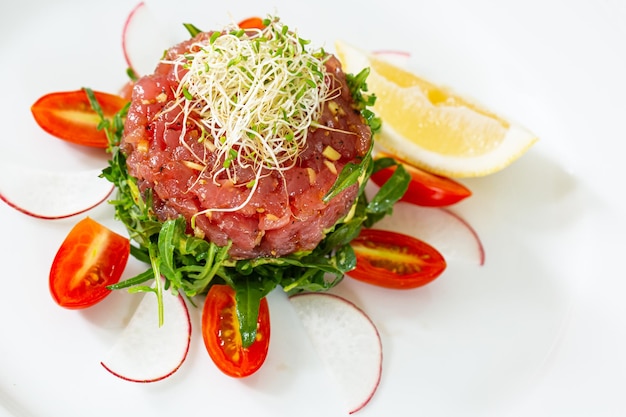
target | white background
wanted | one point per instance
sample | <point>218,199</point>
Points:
<point>538,330</point>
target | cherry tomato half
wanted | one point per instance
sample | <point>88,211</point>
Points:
<point>69,116</point>
<point>90,258</point>
<point>394,260</point>
<point>426,189</point>
<point>220,331</point>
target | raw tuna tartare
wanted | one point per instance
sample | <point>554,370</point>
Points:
<point>243,133</point>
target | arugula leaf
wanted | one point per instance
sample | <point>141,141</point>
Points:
<point>141,278</point>
<point>351,174</point>
<point>167,236</point>
<point>382,163</point>
<point>192,29</point>
<point>358,87</point>
<point>158,287</point>
<point>248,294</point>
<point>390,192</point>
<point>347,177</point>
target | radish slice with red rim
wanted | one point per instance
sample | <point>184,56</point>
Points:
<point>147,352</point>
<point>52,195</point>
<point>399,58</point>
<point>347,343</point>
<point>143,40</point>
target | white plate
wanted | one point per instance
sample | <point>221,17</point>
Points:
<point>538,330</point>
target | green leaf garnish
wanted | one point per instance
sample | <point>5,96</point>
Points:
<point>192,29</point>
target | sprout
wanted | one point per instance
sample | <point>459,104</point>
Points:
<point>254,95</point>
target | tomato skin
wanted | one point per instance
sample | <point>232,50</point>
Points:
<point>426,189</point>
<point>220,331</point>
<point>394,260</point>
<point>126,92</point>
<point>90,258</point>
<point>251,23</point>
<point>68,115</point>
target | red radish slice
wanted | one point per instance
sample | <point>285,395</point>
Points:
<point>146,352</point>
<point>440,227</point>
<point>399,58</point>
<point>347,342</point>
<point>52,195</point>
<point>143,40</point>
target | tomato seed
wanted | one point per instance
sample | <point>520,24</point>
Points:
<point>94,276</point>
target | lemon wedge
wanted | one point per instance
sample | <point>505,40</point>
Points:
<point>432,127</point>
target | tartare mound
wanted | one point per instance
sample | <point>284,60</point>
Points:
<point>262,212</point>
